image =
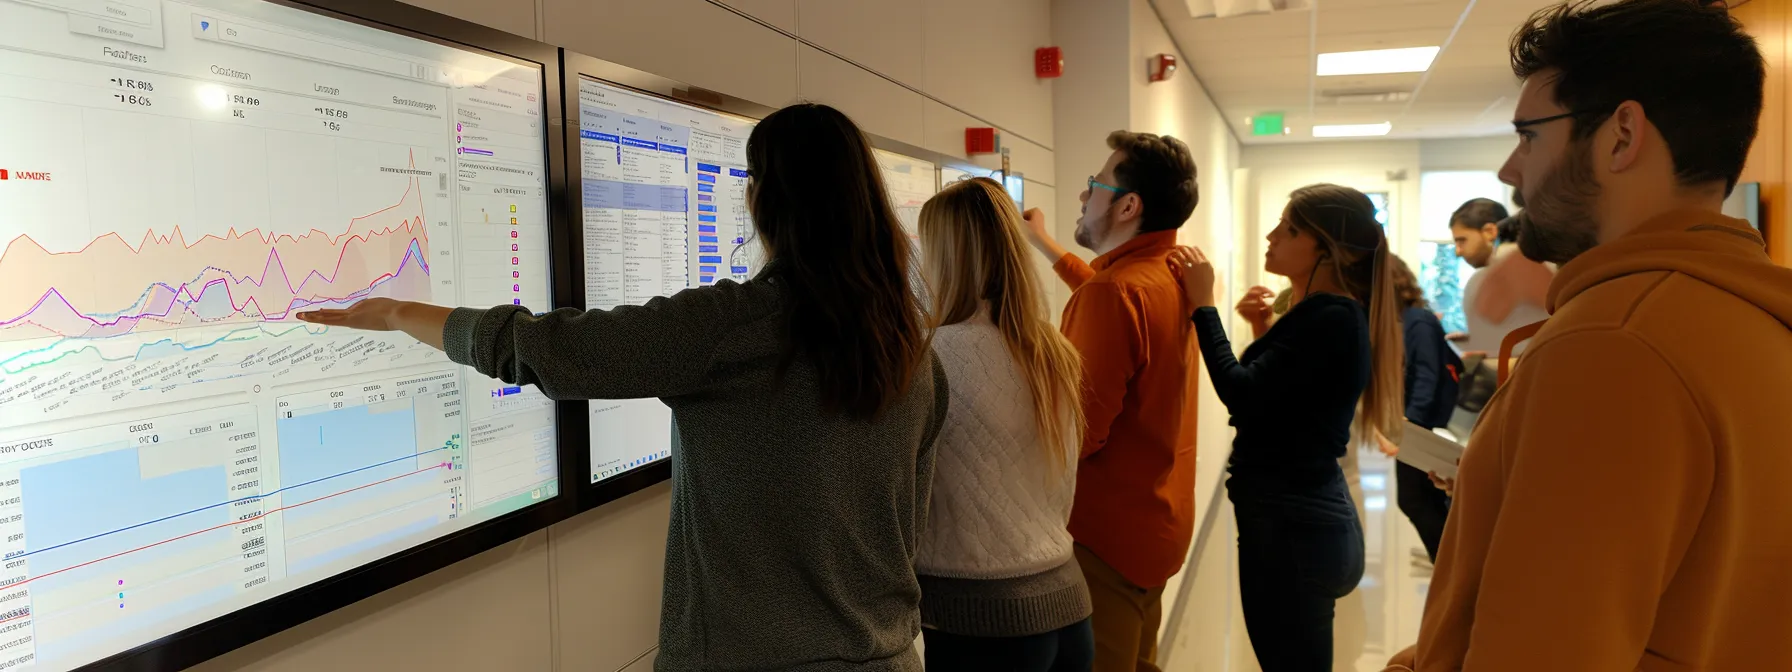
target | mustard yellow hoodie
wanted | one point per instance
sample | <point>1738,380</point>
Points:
<point>1626,501</point>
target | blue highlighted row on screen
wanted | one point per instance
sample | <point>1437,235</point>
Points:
<point>705,177</point>
<point>706,188</point>
<point>709,260</point>
<point>705,229</point>
<point>707,248</point>
<point>706,269</point>
<point>736,172</point>
<point>706,208</point>
<point>708,167</point>
<point>708,239</point>
<point>706,218</point>
<point>706,279</point>
<point>740,269</point>
<point>593,135</point>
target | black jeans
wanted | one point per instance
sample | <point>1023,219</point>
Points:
<point>1297,554</point>
<point>1423,503</point>
<point>1067,649</point>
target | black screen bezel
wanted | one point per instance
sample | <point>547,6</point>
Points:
<point>237,629</point>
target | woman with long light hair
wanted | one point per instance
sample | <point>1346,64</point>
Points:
<point>1293,395</point>
<point>1000,585</point>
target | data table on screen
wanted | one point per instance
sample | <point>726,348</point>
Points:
<point>183,178</point>
<point>664,202</point>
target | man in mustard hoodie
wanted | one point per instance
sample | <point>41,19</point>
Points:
<point>1627,500</point>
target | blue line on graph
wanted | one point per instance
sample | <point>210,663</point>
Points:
<point>227,503</point>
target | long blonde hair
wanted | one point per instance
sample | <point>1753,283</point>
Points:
<point>1343,221</point>
<point>973,252</point>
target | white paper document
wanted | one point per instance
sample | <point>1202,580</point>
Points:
<point>1428,451</point>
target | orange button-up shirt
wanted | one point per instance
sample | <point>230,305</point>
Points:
<point>1135,486</point>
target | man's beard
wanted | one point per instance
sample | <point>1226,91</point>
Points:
<point>1085,233</point>
<point>1558,225</point>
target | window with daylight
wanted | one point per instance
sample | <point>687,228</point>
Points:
<point>1441,273</point>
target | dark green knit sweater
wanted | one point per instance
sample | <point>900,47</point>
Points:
<point>793,533</point>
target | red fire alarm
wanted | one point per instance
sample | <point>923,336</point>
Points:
<point>981,141</point>
<point>1162,66</point>
<point>1048,62</point>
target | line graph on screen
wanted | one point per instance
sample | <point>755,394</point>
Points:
<point>110,288</point>
<point>155,313</point>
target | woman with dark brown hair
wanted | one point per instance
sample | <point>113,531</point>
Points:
<point>806,401</point>
<point>1293,395</point>
<point>1432,369</point>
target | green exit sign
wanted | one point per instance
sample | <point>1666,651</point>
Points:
<point>1267,124</point>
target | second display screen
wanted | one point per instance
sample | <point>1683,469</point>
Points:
<point>664,190</point>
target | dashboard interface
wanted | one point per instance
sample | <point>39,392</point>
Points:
<point>664,193</point>
<point>178,180</point>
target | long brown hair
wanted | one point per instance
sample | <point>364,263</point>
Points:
<point>1343,221</point>
<point>1407,292</point>
<point>974,252</point>
<point>834,244</point>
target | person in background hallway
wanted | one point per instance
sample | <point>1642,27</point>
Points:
<point>1510,292</point>
<point>1293,395</point>
<point>806,399</point>
<point>1432,369</point>
<point>1135,485</point>
<point>1623,504</point>
<point>1000,586</point>
<point>1485,236</point>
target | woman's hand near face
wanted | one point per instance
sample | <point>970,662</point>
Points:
<point>1257,307</point>
<point>1196,273</point>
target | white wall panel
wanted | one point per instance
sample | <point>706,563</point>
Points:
<point>876,104</point>
<point>688,40</point>
<point>883,35</point>
<point>979,58</point>
<point>511,16</point>
<point>780,13</point>
<point>608,565</point>
<point>486,613</point>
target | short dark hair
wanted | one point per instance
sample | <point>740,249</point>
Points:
<point>1478,212</point>
<point>1161,170</point>
<point>1509,228</point>
<point>1695,71</point>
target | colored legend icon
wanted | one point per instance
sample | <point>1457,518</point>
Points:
<point>121,593</point>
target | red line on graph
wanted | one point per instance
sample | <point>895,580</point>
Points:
<point>268,238</point>
<point>219,527</point>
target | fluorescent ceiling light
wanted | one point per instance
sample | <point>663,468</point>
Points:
<point>1352,130</point>
<point>1377,62</point>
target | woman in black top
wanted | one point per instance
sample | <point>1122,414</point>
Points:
<point>1293,396</point>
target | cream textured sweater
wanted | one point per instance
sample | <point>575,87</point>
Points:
<point>995,558</point>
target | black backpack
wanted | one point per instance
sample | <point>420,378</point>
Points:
<point>1480,377</point>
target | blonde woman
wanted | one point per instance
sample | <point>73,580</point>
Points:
<point>1000,585</point>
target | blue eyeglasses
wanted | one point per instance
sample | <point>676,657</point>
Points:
<point>1118,191</point>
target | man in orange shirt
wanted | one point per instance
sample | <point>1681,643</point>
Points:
<point>1623,504</point>
<point>1134,511</point>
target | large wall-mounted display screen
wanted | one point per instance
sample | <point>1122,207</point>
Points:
<point>911,182</point>
<point>178,179</point>
<point>664,197</point>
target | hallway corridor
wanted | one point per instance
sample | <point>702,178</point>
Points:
<point>1206,628</point>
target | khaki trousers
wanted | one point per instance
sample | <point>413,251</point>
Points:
<point>1126,617</point>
